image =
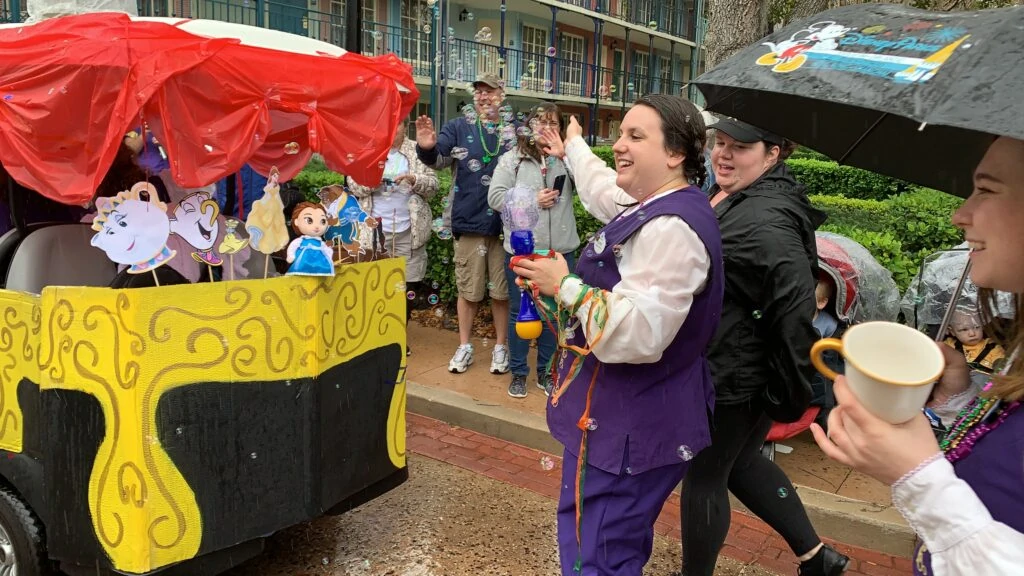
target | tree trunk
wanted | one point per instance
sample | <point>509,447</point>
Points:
<point>732,25</point>
<point>805,8</point>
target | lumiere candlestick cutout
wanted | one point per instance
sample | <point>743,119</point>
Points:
<point>268,232</point>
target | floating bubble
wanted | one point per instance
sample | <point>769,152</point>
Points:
<point>444,234</point>
<point>411,295</point>
<point>430,3</point>
<point>291,148</point>
<point>437,224</point>
<point>524,131</point>
<point>432,299</point>
<point>617,250</point>
<point>439,312</point>
<point>483,34</point>
<point>502,7</point>
<point>591,424</point>
<point>444,260</point>
<point>469,139</point>
<point>470,16</point>
<point>551,51</point>
<point>757,314</point>
<point>485,180</point>
<point>603,91</point>
<point>435,285</point>
<point>460,153</point>
<point>531,67</point>
<point>546,462</point>
<point>377,34</point>
<point>451,32</point>
<point>474,165</point>
<point>782,492</point>
<point>548,86</point>
<point>490,212</point>
<point>652,25</point>
<point>684,453</point>
<point>501,62</point>
<point>325,560</point>
<point>482,250</point>
<point>350,158</point>
<point>629,86</point>
<point>426,28</point>
<point>252,455</point>
<point>612,88</point>
<point>380,164</point>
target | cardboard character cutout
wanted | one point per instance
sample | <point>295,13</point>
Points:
<point>132,228</point>
<point>268,232</point>
<point>195,220</point>
<point>344,213</point>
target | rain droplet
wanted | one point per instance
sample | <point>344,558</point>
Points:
<point>547,463</point>
<point>474,165</point>
<point>684,453</point>
<point>432,299</point>
<point>551,51</point>
<point>411,295</point>
<point>757,314</point>
<point>782,492</point>
<point>485,180</point>
<point>460,153</point>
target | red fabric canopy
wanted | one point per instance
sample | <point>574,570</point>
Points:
<point>71,87</point>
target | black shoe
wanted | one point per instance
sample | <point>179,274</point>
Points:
<point>517,389</point>
<point>827,562</point>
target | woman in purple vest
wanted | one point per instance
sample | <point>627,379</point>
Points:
<point>964,496</point>
<point>633,388</point>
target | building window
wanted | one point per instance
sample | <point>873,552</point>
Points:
<point>415,44</point>
<point>665,75</point>
<point>645,12</point>
<point>535,61</point>
<point>641,70</point>
<point>570,64</point>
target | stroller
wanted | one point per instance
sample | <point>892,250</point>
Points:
<point>861,290</point>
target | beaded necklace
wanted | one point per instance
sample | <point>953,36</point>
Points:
<point>980,417</point>
<point>488,154</point>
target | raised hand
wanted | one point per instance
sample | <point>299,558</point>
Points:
<point>552,142</point>
<point>574,129</point>
<point>426,136</point>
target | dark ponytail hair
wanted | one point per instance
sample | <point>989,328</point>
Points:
<point>683,127</point>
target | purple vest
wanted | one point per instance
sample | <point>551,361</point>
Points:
<point>995,472</point>
<point>660,410</point>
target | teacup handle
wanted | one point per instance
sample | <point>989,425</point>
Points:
<point>820,347</point>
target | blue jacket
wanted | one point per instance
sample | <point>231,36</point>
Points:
<point>470,213</point>
<point>252,190</point>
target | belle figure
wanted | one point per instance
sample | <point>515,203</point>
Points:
<point>308,254</point>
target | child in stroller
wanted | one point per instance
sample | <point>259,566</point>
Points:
<point>836,299</point>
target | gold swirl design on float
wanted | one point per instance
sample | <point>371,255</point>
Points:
<point>19,346</point>
<point>127,348</point>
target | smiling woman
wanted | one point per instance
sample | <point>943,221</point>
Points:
<point>632,393</point>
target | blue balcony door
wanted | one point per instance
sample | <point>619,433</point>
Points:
<point>288,16</point>
<point>619,66</point>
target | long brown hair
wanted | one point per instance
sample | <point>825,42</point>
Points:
<point>1009,386</point>
<point>297,211</point>
<point>527,143</point>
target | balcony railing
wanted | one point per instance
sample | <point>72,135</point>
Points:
<point>669,17</point>
<point>13,11</point>
<point>459,62</point>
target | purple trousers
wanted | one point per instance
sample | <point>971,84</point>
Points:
<point>619,511</point>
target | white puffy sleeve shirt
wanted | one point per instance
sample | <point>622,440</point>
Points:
<point>955,525</point>
<point>663,267</point>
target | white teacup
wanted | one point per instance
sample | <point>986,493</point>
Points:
<point>891,368</point>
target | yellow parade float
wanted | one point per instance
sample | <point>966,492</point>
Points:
<point>170,429</point>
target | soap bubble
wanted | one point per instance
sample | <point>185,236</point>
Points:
<point>684,453</point>
<point>432,299</point>
<point>411,295</point>
<point>291,148</point>
<point>426,28</point>
<point>483,34</point>
<point>551,51</point>
<point>547,463</point>
<point>474,165</point>
<point>460,153</point>
<point>548,86</point>
<point>485,180</point>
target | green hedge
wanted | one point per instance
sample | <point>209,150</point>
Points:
<point>830,178</point>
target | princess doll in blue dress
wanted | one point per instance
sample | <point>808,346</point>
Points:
<point>307,254</point>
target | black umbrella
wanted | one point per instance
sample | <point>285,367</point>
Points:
<point>912,94</point>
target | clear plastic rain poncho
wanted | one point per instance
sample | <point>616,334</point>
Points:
<point>931,291</point>
<point>876,294</point>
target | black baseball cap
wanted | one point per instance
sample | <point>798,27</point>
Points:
<point>744,132</point>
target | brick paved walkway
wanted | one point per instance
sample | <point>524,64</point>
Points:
<point>750,541</point>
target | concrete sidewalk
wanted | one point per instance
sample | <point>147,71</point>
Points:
<point>843,504</point>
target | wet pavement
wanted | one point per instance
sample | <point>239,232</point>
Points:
<point>445,521</point>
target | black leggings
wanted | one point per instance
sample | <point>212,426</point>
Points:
<point>734,463</point>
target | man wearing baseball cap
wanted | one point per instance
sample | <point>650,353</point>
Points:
<point>471,146</point>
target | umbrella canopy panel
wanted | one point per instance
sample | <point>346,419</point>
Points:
<point>216,95</point>
<point>913,94</point>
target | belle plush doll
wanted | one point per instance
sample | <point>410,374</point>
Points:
<point>307,254</point>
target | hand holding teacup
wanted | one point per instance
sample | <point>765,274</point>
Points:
<point>890,368</point>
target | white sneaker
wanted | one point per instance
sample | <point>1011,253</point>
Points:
<point>499,359</point>
<point>462,359</point>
